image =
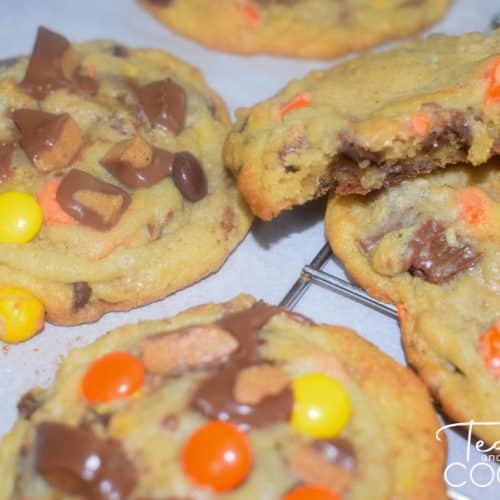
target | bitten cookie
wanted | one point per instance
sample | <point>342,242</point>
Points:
<point>218,401</point>
<point>432,246</point>
<point>302,28</point>
<point>370,122</point>
<point>113,192</point>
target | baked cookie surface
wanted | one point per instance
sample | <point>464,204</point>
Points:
<point>432,246</point>
<point>239,362</point>
<point>301,28</point>
<point>370,122</point>
<point>121,148</point>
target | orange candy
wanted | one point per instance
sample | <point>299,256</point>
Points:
<point>302,100</point>
<point>490,349</point>
<point>251,12</point>
<point>493,81</point>
<point>312,492</point>
<point>217,456</point>
<point>51,210</point>
<point>473,205</point>
<point>421,123</point>
<point>113,376</point>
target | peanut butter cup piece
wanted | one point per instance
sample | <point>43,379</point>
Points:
<point>91,201</point>
<point>164,103</point>
<point>137,164</point>
<point>51,141</point>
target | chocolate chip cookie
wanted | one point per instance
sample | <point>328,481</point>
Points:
<point>300,28</point>
<point>120,152</point>
<point>216,401</point>
<point>370,122</point>
<point>431,246</point>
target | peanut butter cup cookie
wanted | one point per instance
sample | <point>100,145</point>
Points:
<point>241,400</point>
<point>112,192</point>
<point>432,246</point>
<point>370,122</point>
<point>303,28</point>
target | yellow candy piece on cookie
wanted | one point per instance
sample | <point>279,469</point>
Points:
<point>21,314</point>
<point>322,406</point>
<point>20,217</point>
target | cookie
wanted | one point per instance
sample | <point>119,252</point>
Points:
<point>119,150</point>
<point>431,246</point>
<point>370,122</point>
<point>239,378</point>
<point>301,28</point>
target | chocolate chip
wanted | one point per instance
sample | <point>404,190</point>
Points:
<point>78,181</point>
<point>81,294</point>
<point>432,258</point>
<point>189,177</point>
<point>79,462</point>
<point>162,3</point>
<point>164,103</point>
<point>6,151</point>
<point>29,404</point>
<point>119,50</point>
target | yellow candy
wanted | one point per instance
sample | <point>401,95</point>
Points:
<point>20,217</point>
<point>21,314</point>
<point>130,70</point>
<point>322,406</point>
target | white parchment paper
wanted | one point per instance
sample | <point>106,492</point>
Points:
<point>270,258</point>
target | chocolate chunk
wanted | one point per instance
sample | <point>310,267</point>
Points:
<point>354,151</point>
<point>162,3</point>
<point>6,151</point>
<point>78,462</point>
<point>119,50</point>
<point>81,294</point>
<point>432,258</point>
<point>164,103</point>
<point>214,397</point>
<point>50,140</point>
<point>189,177</point>
<point>136,164</point>
<point>79,181</point>
<point>29,404</point>
<point>86,84</point>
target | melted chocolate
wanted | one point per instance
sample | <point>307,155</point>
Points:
<point>189,177</point>
<point>159,168</point>
<point>214,397</point>
<point>164,103</point>
<point>81,294</point>
<point>6,151</point>
<point>79,462</point>
<point>119,50</point>
<point>40,131</point>
<point>78,180</point>
<point>28,404</point>
<point>433,259</point>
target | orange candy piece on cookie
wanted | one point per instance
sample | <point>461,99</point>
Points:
<point>493,81</point>
<point>51,210</point>
<point>421,123</point>
<point>250,11</point>
<point>113,376</point>
<point>312,492</point>
<point>302,100</point>
<point>490,349</point>
<point>217,456</point>
<point>473,205</point>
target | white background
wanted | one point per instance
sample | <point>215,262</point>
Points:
<point>270,258</point>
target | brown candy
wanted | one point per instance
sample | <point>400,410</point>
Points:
<point>164,103</point>
<point>189,177</point>
<point>52,64</point>
<point>6,151</point>
<point>78,462</point>
<point>434,259</point>
<point>83,196</point>
<point>214,397</point>
<point>51,141</point>
<point>172,352</point>
<point>137,164</point>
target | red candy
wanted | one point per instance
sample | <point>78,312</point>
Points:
<point>312,492</point>
<point>115,375</point>
<point>217,456</point>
